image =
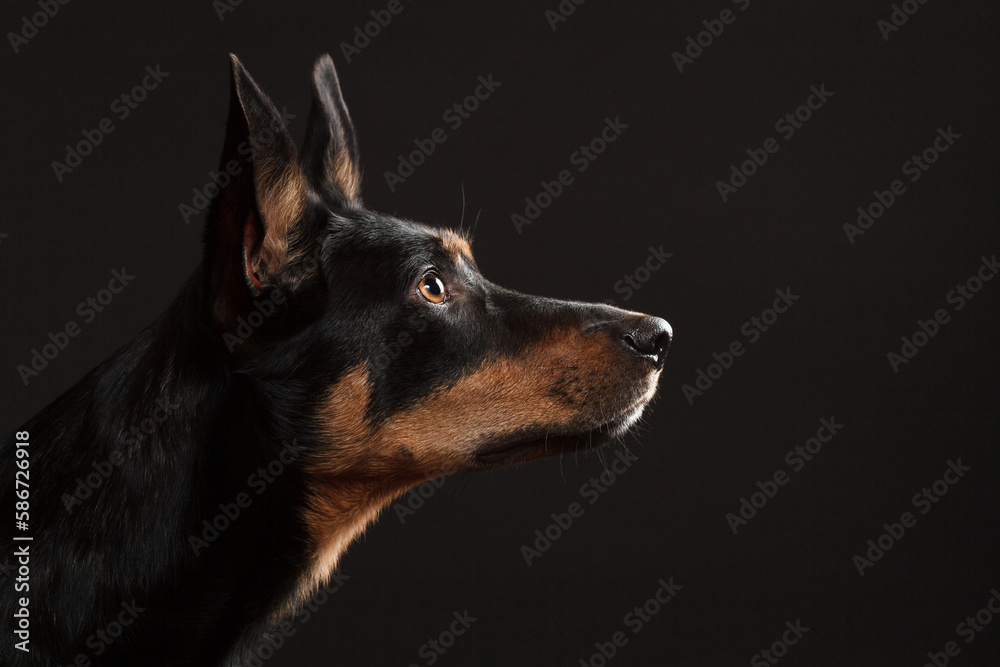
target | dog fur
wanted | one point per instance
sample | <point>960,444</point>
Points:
<point>273,351</point>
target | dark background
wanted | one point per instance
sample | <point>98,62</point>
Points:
<point>655,185</point>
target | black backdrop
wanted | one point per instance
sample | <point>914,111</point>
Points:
<point>654,188</point>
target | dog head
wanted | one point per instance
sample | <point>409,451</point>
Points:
<point>381,336</point>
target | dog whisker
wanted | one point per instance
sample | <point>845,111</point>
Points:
<point>462,219</point>
<point>472,234</point>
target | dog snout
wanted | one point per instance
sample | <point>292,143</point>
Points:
<point>650,338</point>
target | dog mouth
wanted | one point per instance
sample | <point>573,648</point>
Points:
<point>533,444</point>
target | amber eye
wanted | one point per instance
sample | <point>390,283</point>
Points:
<point>432,289</point>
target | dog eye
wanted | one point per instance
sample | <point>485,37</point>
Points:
<point>432,289</point>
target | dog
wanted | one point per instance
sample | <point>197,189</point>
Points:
<point>323,359</point>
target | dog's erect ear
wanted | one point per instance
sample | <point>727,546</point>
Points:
<point>330,153</point>
<point>253,230</point>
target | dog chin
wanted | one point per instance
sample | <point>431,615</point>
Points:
<point>536,444</point>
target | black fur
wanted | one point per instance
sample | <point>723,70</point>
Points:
<point>187,412</point>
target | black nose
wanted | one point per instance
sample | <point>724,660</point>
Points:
<point>651,338</point>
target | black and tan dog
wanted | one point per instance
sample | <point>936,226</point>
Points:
<point>348,353</point>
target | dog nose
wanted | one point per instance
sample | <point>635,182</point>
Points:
<point>651,338</point>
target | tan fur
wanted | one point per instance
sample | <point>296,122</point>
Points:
<point>345,174</point>
<point>281,205</point>
<point>559,383</point>
<point>335,520</point>
<point>349,487</point>
<point>455,245</point>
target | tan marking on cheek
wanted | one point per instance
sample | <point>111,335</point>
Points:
<point>367,467</point>
<point>502,397</point>
<point>363,470</point>
<point>344,419</point>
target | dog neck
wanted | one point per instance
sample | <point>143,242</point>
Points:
<point>339,511</point>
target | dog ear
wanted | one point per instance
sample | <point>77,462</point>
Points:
<point>253,226</point>
<point>330,153</point>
